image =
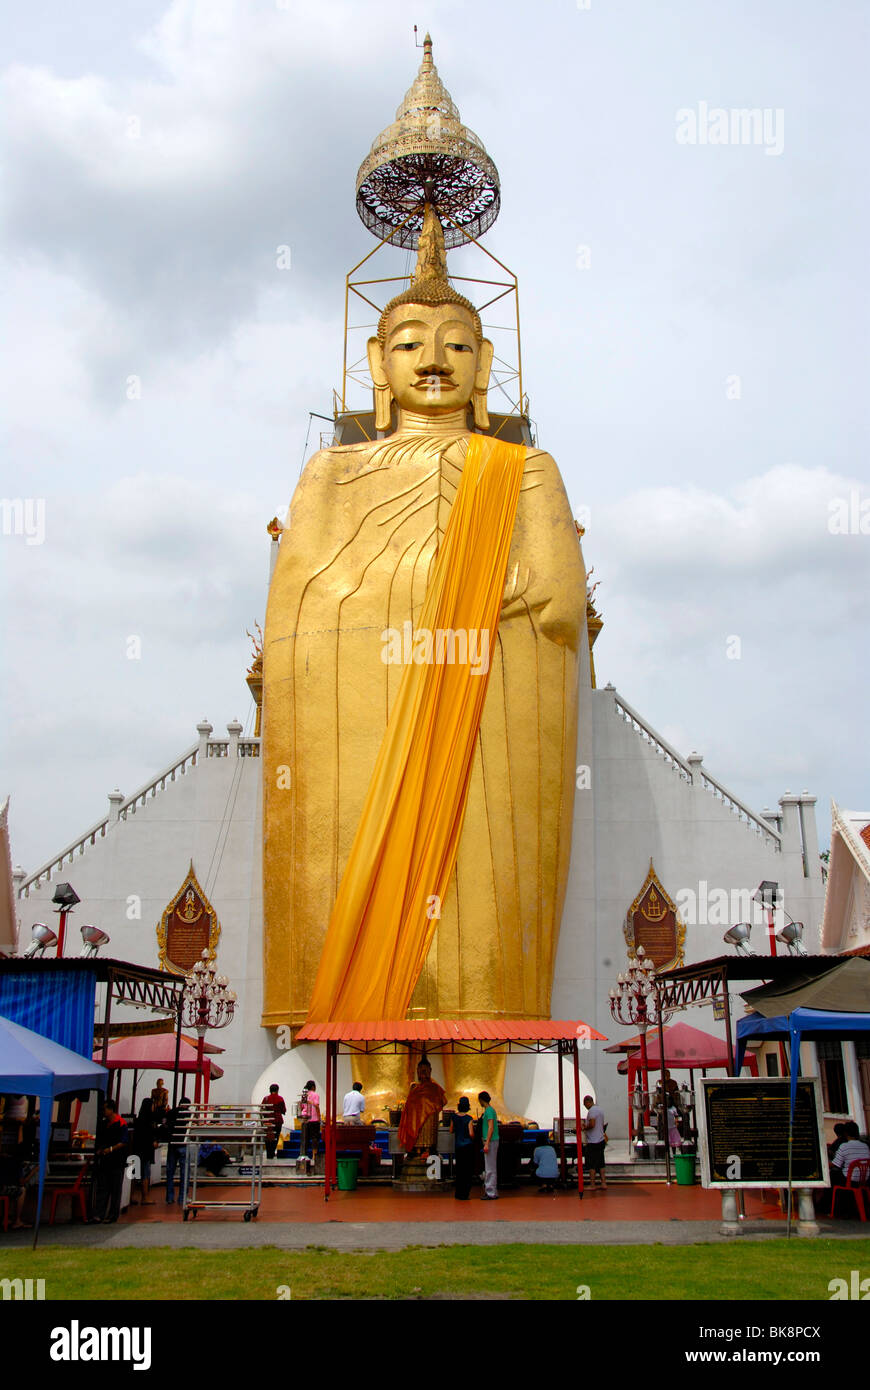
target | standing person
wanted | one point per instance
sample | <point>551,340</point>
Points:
<point>279,1110</point>
<point>176,1150</point>
<point>674,1137</point>
<point>594,1126</point>
<point>310,1111</point>
<point>354,1104</point>
<point>160,1100</point>
<point>15,1174</point>
<point>489,1135</point>
<point>546,1165</point>
<point>463,1149</point>
<point>111,1155</point>
<point>143,1146</point>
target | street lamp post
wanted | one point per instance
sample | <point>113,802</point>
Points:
<point>635,1003</point>
<point>206,1003</point>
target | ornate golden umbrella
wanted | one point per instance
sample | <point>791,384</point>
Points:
<point>427,156</point>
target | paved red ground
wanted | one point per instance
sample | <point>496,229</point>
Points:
<point>622,1202</point>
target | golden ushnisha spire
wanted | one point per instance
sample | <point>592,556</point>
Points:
<point>427,156</point>
<point>429,283</point>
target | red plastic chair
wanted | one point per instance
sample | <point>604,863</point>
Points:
<point>857,1179</point>
<point>75,1192</point>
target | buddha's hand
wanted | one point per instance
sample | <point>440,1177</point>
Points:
<point>516,588</point>
<point>519,597</point>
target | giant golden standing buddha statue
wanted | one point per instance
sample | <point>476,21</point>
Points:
<point>421,662</point>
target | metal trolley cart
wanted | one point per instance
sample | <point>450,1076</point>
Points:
<point>241,1130</point>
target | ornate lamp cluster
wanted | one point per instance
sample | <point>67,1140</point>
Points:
<point>207,1002</point>
<point>636,1001</point>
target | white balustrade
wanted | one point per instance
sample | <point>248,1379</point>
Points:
<point>691,771</point>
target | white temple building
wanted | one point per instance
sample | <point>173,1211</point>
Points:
<point>639,805</point>
<point>846,923</point>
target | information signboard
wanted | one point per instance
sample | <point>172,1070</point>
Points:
<point>743,1133</point>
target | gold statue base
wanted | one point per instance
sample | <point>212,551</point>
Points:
<point>414,1177</point>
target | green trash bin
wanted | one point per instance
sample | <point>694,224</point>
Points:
<point>685,1170</point>
<point>347,1171</point>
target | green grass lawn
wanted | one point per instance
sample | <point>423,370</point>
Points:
<point>772,1269</point>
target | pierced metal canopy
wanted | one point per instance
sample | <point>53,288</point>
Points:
<point>427,155</point>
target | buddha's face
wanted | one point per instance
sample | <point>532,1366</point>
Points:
<point>431,358</point>
<point>424,1071</point>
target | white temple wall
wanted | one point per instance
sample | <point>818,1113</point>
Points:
<point>634,801</point>
<point>212,815</point>
<point>641,805</point>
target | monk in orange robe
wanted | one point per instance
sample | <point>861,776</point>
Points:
<point>426,1099</point>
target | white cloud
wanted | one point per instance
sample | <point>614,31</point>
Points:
<point>143,208</point>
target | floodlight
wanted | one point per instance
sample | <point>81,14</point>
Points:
<point>767,893</point>
<point>93,939</point>
<point>65,896</point>
<point>791,936</point>
<point>738,937</point>
<point>42,936</point>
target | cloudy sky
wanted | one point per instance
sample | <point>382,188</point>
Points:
<point>694,337</point>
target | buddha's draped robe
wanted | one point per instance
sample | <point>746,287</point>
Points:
<point>364,529</point>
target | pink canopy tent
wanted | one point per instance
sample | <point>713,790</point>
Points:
<point>156,1052</point>
<point>686,1049</point>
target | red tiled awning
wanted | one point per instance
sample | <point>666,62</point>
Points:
<point>451,1030</point>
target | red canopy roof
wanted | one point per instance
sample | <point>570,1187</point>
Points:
<point>156,1053</point>
<point>631,1044</point>
<point>450,1029</point>
<point>685,1047</point>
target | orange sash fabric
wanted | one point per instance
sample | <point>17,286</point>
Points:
<point>425,1098</point>
<point>405,846</point>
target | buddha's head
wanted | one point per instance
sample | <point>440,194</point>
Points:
<point>424,1070</point>
<point>430,355</point>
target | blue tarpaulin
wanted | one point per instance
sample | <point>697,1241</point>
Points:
<point>32,1065</point>
<point>837,1001</point>
<point>799,1025</point>
<point>58,1005</point>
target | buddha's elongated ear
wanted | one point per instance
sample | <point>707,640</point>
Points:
<point>383,395</point>
<point>376,362</point>
<point>481,384</point>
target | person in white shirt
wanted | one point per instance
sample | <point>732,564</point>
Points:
<point>593,1141</point>
<point>354,1105</point>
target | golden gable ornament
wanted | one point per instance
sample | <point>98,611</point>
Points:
<point>653,923</point>
<point>188,927</point>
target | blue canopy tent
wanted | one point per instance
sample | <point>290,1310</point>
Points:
<point>800,1025</point>
<point>842,995</point>
<point>837,1001</point>
<point>31,1065</point>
